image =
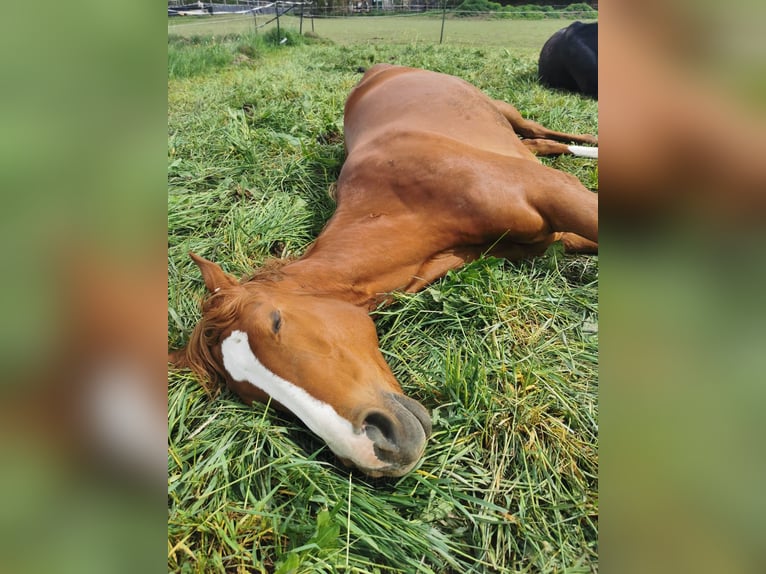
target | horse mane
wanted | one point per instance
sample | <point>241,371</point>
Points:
<point>269,270</point>
<point>219,311</point>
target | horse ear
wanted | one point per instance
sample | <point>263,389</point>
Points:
<point>213,275</point>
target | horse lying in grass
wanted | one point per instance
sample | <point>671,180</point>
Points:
<point>569,60</point>
<point>435,176</point>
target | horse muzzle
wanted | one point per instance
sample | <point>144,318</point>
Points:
<point>398,433</point>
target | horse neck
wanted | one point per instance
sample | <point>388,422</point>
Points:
<point>369,250</point>
<point>360,267</point>
<point>338,276</point>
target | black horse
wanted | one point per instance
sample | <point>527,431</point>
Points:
<point>569,60</point>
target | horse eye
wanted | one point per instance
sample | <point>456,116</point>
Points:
<point>276,321</point>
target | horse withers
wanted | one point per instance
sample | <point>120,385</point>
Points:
<point>435,176</point>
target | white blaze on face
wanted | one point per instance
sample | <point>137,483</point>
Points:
<point>242,364</point>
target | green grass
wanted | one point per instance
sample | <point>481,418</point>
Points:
<point>504,354</point>
<point>192,55</point>
<point>519,35</point>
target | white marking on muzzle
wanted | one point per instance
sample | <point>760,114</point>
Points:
<point>242,364</point>
<point>584,151</point>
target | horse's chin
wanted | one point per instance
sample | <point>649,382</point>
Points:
<point>391,471</point>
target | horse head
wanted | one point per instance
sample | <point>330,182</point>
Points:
<point>313,355</point>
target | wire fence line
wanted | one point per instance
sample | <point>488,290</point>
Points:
<point>351,5</point>
<point>218,10</point>
<point>370,8</point>
<point>313,14</point>
<point>394,28</point>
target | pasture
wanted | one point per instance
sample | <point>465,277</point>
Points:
<point>504,354</point>
<point>525,35</point>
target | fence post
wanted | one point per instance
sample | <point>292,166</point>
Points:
<point>444,15</point>
<point>279,35</point>
<point>300,29</point>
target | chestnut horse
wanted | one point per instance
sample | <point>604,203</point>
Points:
<point>435,176</point>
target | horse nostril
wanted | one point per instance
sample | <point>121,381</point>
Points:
<point>380,429</point>
<point>398,430</point>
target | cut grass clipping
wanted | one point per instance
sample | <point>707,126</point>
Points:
<point>504,354</point>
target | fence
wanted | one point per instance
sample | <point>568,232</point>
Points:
<point>345,8</point>
<point>432,27</point>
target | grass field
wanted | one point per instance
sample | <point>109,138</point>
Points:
<point>520,35</point>
<point>504,354</point>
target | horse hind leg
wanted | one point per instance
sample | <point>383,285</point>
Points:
<point>573,243</point>
<point>538,203</point>
<point>533,130</point>
<point>549,147</point>
<point>569,208</point>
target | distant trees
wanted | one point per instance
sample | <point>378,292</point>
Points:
<point>527,11</point>
<point>593,4</point>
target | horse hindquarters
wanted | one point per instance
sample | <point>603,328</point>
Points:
<point>522,206</point>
